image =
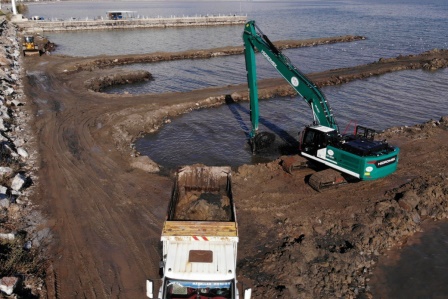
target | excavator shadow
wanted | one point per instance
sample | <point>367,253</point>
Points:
<point>290,143</point>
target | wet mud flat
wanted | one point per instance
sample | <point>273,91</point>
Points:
<point>294,242</point>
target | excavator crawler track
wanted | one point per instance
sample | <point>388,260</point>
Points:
<point>325,179</point>
<point>292,163</point>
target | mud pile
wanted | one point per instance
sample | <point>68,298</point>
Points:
<point>331,254</point>
<point>203,206</point>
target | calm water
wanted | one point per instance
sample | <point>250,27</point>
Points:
<point>218,136</point>
<point>392,27</point>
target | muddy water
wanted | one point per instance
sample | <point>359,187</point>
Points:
<point>419,270</point>
<point>218,136</point>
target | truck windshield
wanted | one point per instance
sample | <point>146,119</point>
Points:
<point>180,289</point>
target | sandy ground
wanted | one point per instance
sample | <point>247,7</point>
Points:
<point>106,217</point>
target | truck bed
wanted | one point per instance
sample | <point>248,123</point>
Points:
<point>201,204</point>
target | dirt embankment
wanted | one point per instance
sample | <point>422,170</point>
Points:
<point>102,62</point>
<point>429,60</point>
<point>120,78</point>
<point>106,216</point>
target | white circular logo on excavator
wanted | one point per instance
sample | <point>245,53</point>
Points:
<point>294,81</point>
<point>330,152</point>
<point>369,169</point>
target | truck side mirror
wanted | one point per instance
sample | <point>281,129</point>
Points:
<point>149,289</point>
<point>247,293</point>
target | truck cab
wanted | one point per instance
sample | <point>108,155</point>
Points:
<point>199,268</point>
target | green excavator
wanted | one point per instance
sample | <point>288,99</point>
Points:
<point>356,155</point>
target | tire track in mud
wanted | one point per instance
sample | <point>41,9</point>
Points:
<point>101,234</point>
<point>94,238</point>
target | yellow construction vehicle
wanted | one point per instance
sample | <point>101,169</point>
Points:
<point>31,47</point>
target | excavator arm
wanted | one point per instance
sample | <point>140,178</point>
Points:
<point>254,40</point>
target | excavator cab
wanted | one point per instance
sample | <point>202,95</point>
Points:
<point>314,138</point>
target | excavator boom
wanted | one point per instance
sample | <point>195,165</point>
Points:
<point>254,39</point>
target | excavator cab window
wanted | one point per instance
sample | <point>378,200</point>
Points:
<point>313,140</point>
<point>308,139</point>
<point>332,138</point>
<point>29,39</point>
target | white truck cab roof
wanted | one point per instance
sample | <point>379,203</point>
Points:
<point>200,260</point>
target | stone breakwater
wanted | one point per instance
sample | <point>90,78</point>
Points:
<point>52,26</point>
<point>21,238</point>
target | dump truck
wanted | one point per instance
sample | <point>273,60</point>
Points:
<point>200,237</point>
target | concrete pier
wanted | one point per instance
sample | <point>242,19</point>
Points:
<point>31,26</point>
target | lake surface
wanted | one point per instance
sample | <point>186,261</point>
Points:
<point>218,136</point>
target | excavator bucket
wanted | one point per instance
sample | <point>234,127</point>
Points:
<point>261,141</point>
<point>31,52</point>
<point>328,178</point>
